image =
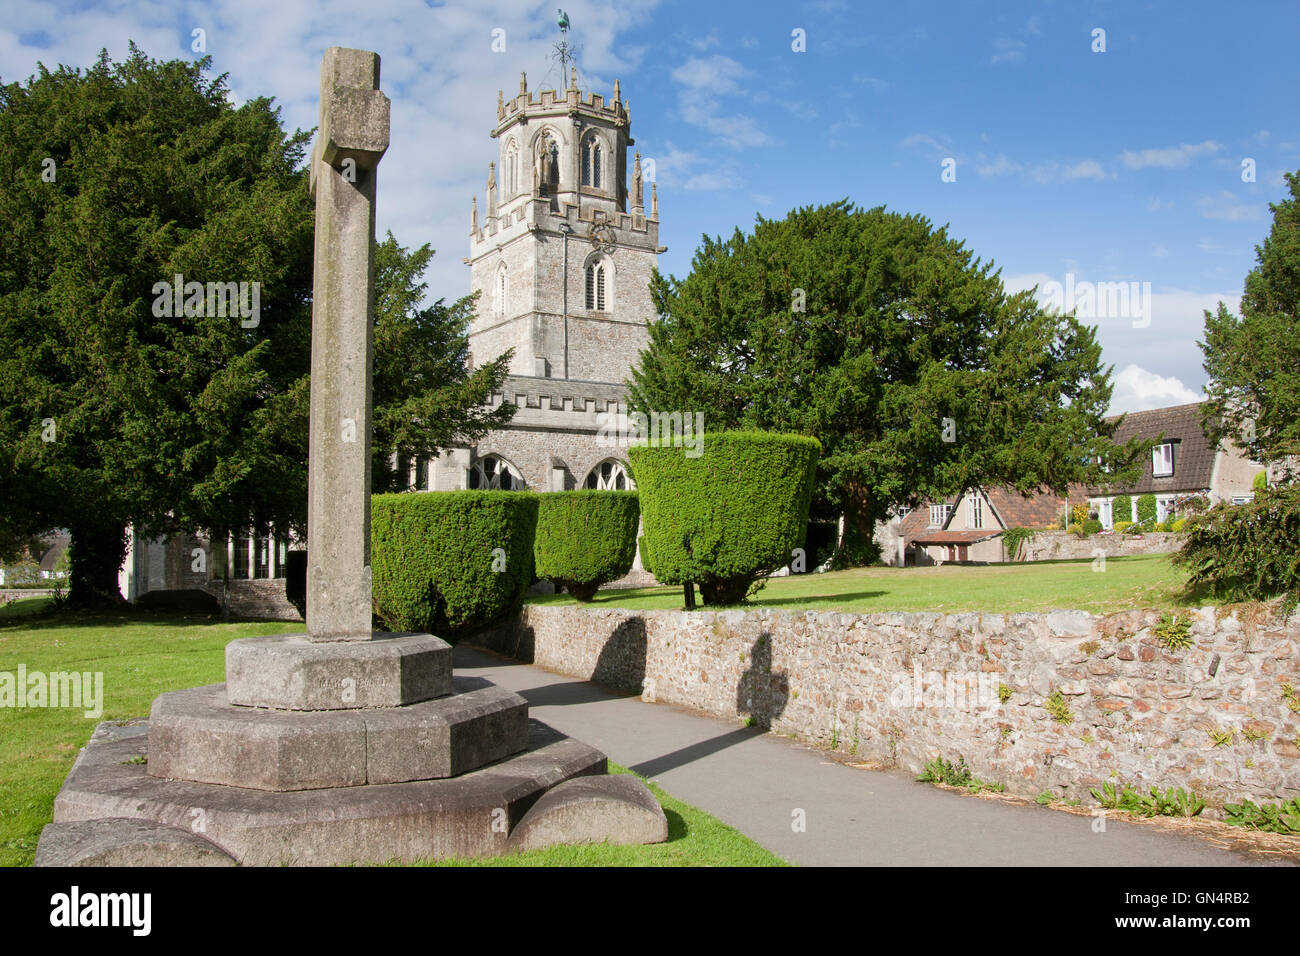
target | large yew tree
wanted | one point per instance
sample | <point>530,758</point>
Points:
<point>1253,360</point>
<point>122,176</point>
<point>881,337</point>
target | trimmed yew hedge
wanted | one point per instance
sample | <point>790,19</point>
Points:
<point>585,538</point>
<point>729,516</point>
<point>435,564</point>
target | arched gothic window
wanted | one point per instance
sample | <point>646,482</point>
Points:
<point>499,290</point>
<point>610,475</point>
<point>597,284</point>
<point>494,473</point>
<point>510,182</point>
<point>591,162</point>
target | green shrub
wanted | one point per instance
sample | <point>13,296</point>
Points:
<point>724,518</point>
<point>1077,530</point>
<point>1013,539</point>
<point>1178,524</point>
<point>451,563</point>
<point>1121,526</point>
<point>585,538</point>
<point>1092,526</point>
<point>1146,508</point>
<point>1246,552</point>
<point>1122,510</point>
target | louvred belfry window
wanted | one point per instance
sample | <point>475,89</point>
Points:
<point>596,287</point>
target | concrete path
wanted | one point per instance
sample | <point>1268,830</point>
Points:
<point>757,783</point>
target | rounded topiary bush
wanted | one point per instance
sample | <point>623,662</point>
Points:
<point>1092,526</point>
<point>585,538</point>
<point>734,512</point>
<point>451,563</point>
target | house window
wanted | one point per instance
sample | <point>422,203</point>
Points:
<point>1162,460</point>
<point>609,475</point>
<point>1164,509</point>
<point>903,513</point>
<point>976,511</point>
<point>939,515</point>
<point>240,568</point>
<point>596,287</point>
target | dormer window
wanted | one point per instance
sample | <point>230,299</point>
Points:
<point>1162,460</point>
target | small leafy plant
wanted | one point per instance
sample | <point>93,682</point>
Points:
<point>945,772</point>
<point>1004,693</point>
<point>1172,632</point>
<point>1272,817</point>
<point>1171,803</point>
<point>1221,737</point>
<point>1058,708</point>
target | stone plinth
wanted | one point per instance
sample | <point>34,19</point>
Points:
<point>197,735</point>
<point>291,672</point>
<point>467,816</point>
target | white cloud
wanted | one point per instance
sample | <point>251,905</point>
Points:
<point>1137,390</point>
<point>1173,157</point>
<point>1087,169</point>
<point>703,81</point>
<point>1007,50</point>
<point>923,139</point>
<point>999,167</point>
<point>1226,207</point>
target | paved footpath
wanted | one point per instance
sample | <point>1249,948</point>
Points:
<point>755,782</point>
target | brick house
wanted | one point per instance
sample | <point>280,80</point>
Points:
<point>1183,463</point>
<point>969,526</point>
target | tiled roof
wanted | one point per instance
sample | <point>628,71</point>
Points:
<point>1017,511</point>
<point>1193,453</point>
<point>965,536</point>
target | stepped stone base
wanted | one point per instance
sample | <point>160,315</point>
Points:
<point>470,815</point>
<point>290,672</point>
<point>616,809</point>
<point>122,842</point>
<point>197,735</point>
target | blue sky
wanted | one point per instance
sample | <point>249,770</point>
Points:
<point>1070,164</point>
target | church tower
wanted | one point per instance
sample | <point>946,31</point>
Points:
<point>564,249</point>
<point>561,254</point>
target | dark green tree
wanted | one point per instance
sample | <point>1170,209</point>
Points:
<point>426,397</point>
<point>1253,361</point>
<point>116,410</point>
<point>883,338</point>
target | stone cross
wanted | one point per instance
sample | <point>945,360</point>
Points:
<point>352,138</point>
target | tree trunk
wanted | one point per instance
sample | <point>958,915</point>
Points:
<point>688,589</point>
<point>95,557</point>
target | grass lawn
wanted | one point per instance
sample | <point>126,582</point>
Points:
<point>144,655</point>
<point>1148,580</point>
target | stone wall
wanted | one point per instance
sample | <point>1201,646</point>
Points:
<point>902,689</point>
<point>1061,545</point>
<point>259,598</point>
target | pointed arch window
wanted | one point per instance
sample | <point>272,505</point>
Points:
<point>510,182</point>
<point>610,475</point>
<point>591,163</point>
<point>499,290</point>
<point>597,280</point>
<point>494,473</point>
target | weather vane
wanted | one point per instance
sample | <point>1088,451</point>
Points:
<point>563,51</point>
